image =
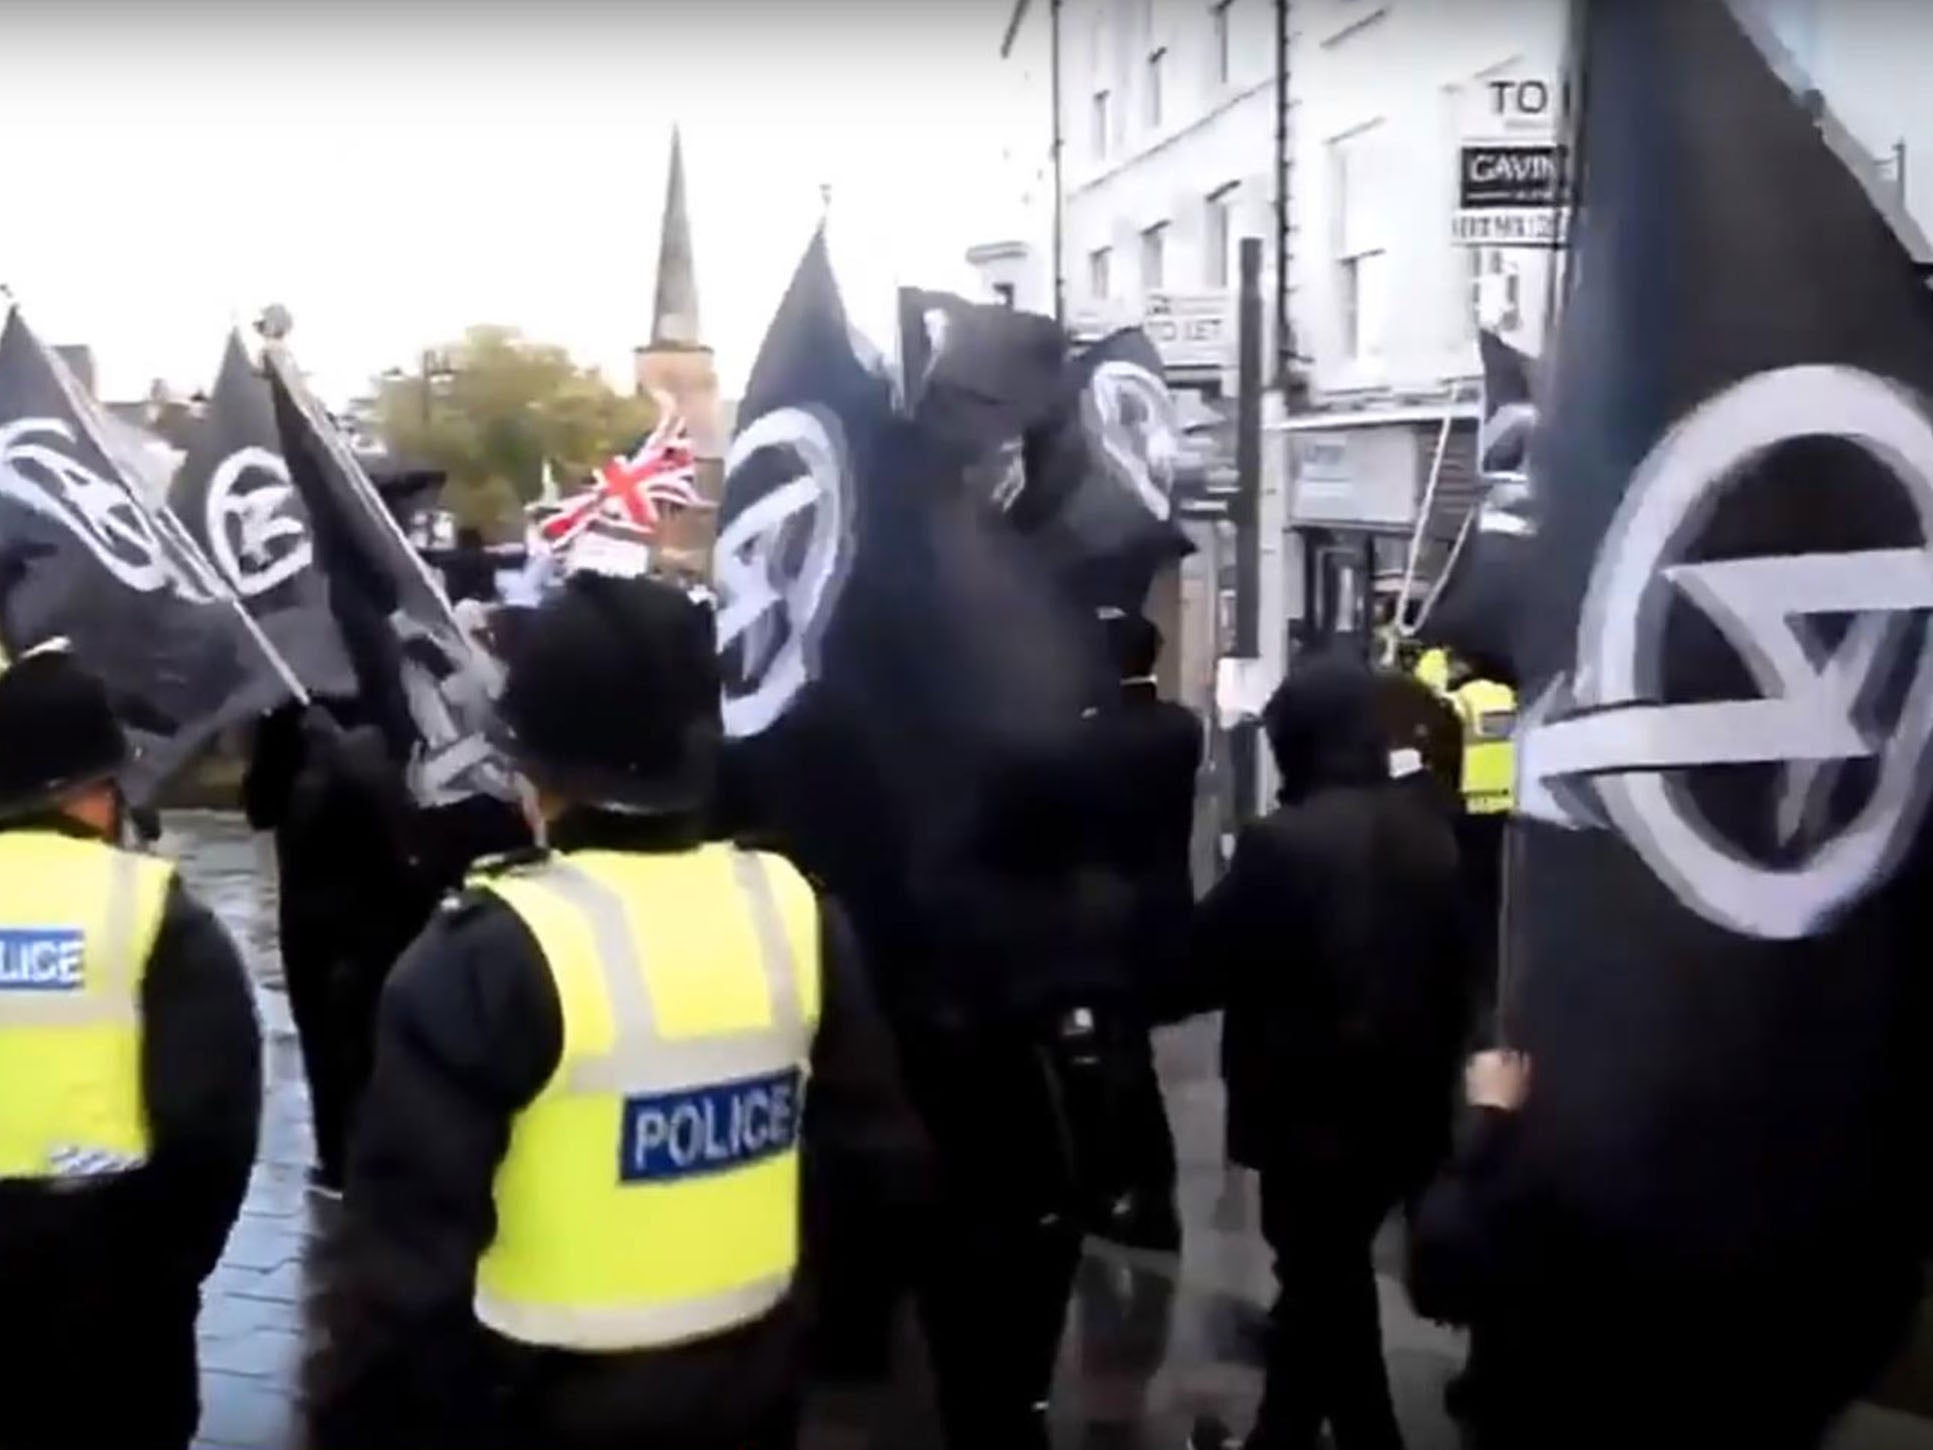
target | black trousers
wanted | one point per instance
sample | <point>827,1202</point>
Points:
<point>333,997</point>
<point>309,967</point>
<point>1124,1149</point>
<point>995,1286</point>
<point>1325,1361</point>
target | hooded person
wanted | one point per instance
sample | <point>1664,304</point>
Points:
<point>1337,946</point>
<point>575,1190</point>
<point>130,1085</point>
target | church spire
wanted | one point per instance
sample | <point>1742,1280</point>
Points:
<point>674,322</point>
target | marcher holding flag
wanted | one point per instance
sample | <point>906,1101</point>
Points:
<point>1695,1210</point>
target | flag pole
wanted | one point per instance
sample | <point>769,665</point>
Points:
<point>1405,629</point>
<point>89,410</point>
<point>278,358</point>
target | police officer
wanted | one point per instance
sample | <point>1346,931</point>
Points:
<point>574,1202</point>
<point>130,1086</point>
<point>1487,711</point>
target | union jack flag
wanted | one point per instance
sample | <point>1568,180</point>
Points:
<point>633,489</point>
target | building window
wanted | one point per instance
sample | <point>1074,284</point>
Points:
<point>1363,285</point>
<point>1003,293</point>
<point>1154,258</point>
<point>1221,43</point>
<point>1099,263</point>
<point>1495,291</point>
<point>1360,240</point>
<point>1219,238</point>
<point>1101,109</point>
<point>1157,62</point>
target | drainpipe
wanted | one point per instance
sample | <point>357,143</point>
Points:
<point>1284,336</point>
<point>1060,191</point>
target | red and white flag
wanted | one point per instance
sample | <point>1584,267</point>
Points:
<point>633,490</point>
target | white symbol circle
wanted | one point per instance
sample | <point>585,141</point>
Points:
<point>1670,499</point>
<point>776,622</point>
<point>257,544</point>
<point>1132,414</point>
<point>100,513</point>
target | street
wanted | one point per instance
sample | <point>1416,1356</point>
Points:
<point>1145,1352</point>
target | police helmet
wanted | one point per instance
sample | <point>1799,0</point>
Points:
<point>611,696</point>
<point>58,732</point>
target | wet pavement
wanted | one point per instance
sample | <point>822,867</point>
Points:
<point>1149,1345</point>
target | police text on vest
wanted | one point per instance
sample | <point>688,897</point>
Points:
<point>709,1129</point>
<point>42,959</point>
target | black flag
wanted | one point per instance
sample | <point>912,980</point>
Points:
<point>977,373</point>
<point>1481,595</point>
<point>83,554</point>
<point>1716,916</point>
<point>235,496</point>
<point>1100,477</point>
<point>1080,449</point>
<point>426,685</point>
<point>886,636</point>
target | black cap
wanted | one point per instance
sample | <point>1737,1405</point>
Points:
<point>612,696</point>
<point>57,730</point>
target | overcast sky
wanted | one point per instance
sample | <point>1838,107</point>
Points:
<point>394,172</point>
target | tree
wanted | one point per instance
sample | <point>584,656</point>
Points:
<point>492,410</point>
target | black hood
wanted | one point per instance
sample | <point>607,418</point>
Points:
<point>1323,729</point>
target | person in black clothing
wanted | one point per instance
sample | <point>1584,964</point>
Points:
<point>472,1030</point>
<point>1005,1038</point>
<point>1139,755</point>
<point>349,901</point>
<point>360,871</point>
<point>1337,945</point>
<point>102,1267</point>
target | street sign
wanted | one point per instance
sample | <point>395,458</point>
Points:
<point>1191,329</point>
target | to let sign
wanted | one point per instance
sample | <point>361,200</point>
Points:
<point>1191,329</point>
<point>1510,166</point>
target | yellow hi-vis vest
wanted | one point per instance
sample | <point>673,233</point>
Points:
<point>1489,713</point>
<point>650,1194</point>
<point>78,922</point>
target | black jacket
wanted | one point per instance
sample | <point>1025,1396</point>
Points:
<point>1140,755</point>
<point>113,1272</point>
<point>1338,946</point>
<point>470,1031</point>
<point>361,868</point>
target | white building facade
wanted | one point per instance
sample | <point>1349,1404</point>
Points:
<point>1172,133</point>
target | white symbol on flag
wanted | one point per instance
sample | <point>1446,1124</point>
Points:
<point>257,541</point>
<point>1607,727</point>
